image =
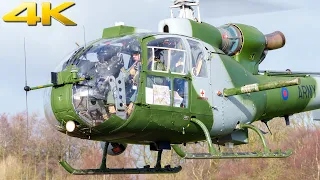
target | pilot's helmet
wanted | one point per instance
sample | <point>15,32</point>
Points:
<point>170,43</point>
<point>167,43</point>
<point>135,49</point>
<point>157,54</point>
<point>105,54</point>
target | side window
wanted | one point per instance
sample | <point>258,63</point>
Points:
<point>167,54</point>
<point>180,93</point>
<point>160,60</point>
<point>178,61</point>
<point>158,90</point>
<point>198,68</point>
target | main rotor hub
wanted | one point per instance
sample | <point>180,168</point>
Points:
<point>176,2</point>
<point>186,10</point>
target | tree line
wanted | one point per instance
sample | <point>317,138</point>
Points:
<point>33,151</point>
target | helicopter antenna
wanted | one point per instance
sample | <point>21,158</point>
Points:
<point>26,84</point>
<point>84,37</point>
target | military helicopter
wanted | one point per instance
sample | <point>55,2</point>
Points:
<point>187,83</point>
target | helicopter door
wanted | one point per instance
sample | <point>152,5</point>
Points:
<point>201,94</point>
<point>166,83</point>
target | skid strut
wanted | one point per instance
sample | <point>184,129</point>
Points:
<point>104,170</point>
<point>214,154</point>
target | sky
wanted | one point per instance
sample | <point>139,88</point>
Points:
<point>47,46</point>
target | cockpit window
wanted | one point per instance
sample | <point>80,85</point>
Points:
<point>169,42</point>
<point>167,54</point>
<point>199,68</point>
<point>178,61</point>
<point>114,66</point>
<point>67,59</point>
<point>111,51</point>
<point>160,60</point>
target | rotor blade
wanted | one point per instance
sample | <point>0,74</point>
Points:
<point>222,8</point>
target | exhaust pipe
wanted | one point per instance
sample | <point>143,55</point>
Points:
<point>275,40</point>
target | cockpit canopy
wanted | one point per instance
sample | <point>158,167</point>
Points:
<point>112,64</point>
<point>115,51</point>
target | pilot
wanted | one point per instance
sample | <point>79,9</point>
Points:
<point>198,69</point>
<point>131,75</point>
<point>160,58</point>
<point>177,61</point>
<point>155,61</point>
<point>135,55</point>
<point>132,72</point>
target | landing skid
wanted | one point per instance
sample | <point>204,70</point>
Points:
<point>239,155</point>
<point>145,170</point>
<point>214,154</point>
<point>104,170</point>
<point>277,154</point>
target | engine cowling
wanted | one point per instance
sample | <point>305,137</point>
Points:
<point>248,45</point>
<point>232,39</point>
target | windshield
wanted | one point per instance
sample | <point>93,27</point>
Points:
<point>114,66</point>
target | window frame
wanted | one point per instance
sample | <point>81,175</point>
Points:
<point>167,74</point>
<point>169,60</point>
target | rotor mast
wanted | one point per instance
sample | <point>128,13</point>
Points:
<point>186,10</point>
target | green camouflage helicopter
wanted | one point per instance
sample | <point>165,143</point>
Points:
<point>189,82</point>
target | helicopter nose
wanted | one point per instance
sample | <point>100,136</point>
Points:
<point>107,90</point>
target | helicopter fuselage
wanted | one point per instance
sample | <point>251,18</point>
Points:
<point>176,78</point>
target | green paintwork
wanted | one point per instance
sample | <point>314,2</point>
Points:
<point>207,135</point>
<point>256,130</point>
<point>61,98</point>
<point>277,106</point>
<point>117,31</point>
<point>73,81</point>
<point>254,44</point>
<point>207,33</point>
